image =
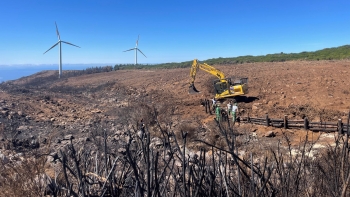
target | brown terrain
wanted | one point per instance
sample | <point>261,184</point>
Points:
<point>41,111</point>
<point>318,90</point>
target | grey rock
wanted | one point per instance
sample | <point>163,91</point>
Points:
<point>5,113</point>
<point>44,141</point>
<point>270,134</point>
<point>156,141</point>
<point>34,144</point>
<point>4,159</point>
<point>122,151</point>
<point>84,139</point>
<point>119,132</point>
<point>116,139</point>
<point>140,134</point>
<point>68,137</point>
<point>22,128</point>
<point>52,157</point>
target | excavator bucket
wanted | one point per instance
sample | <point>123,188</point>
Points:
<point>192,89</point>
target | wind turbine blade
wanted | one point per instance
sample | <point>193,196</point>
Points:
<point>70,44</point>
<point>52,47</point>
<point>141,52</point>
<point>58,34</point>
<point>137,41</point>
<point>129,50</point>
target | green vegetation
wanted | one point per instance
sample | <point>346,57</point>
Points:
<point>336,53</point>
<point>156,66</point>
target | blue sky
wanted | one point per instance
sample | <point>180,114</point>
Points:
<point>170,30</point>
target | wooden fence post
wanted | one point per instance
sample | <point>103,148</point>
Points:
<point>347,128</point>
<point>206,105</point>
<point>340,126</point>
<point>306,123</point>
<point>209,107</point>
<point>267,120</point>
<point>285,122</point>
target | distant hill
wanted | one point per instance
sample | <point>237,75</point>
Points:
<point>335,53</point>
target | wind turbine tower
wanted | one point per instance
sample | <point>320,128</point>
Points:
<point>59,43</point>
<point>136,49</point>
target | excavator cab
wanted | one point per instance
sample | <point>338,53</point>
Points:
<point>221,86</point>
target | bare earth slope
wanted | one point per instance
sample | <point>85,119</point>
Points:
<point>322,84</point>
<point>318,90</point>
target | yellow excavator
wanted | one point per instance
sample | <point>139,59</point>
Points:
<point>224,87</point>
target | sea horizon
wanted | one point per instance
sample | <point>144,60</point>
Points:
<point>16,71</point>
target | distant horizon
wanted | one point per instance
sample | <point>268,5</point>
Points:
<point>13,72</point>
<point>66,64</point>
<point>112,64</point>
<point>16,71</point>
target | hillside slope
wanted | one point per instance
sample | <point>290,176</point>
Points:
<point>318,90</point>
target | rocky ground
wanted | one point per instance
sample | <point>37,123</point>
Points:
<point>43,111</point>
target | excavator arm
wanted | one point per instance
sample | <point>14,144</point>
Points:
<point>207,68</point>
<point>224,87</point>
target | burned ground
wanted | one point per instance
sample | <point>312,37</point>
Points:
<point>317,90</point>
<point>50,113</point>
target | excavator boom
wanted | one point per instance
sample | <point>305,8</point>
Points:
<point>224,87</point>
<point>206,68</point>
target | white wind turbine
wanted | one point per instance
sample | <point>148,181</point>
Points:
<point>60,51</point>
<point>136,49</point>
